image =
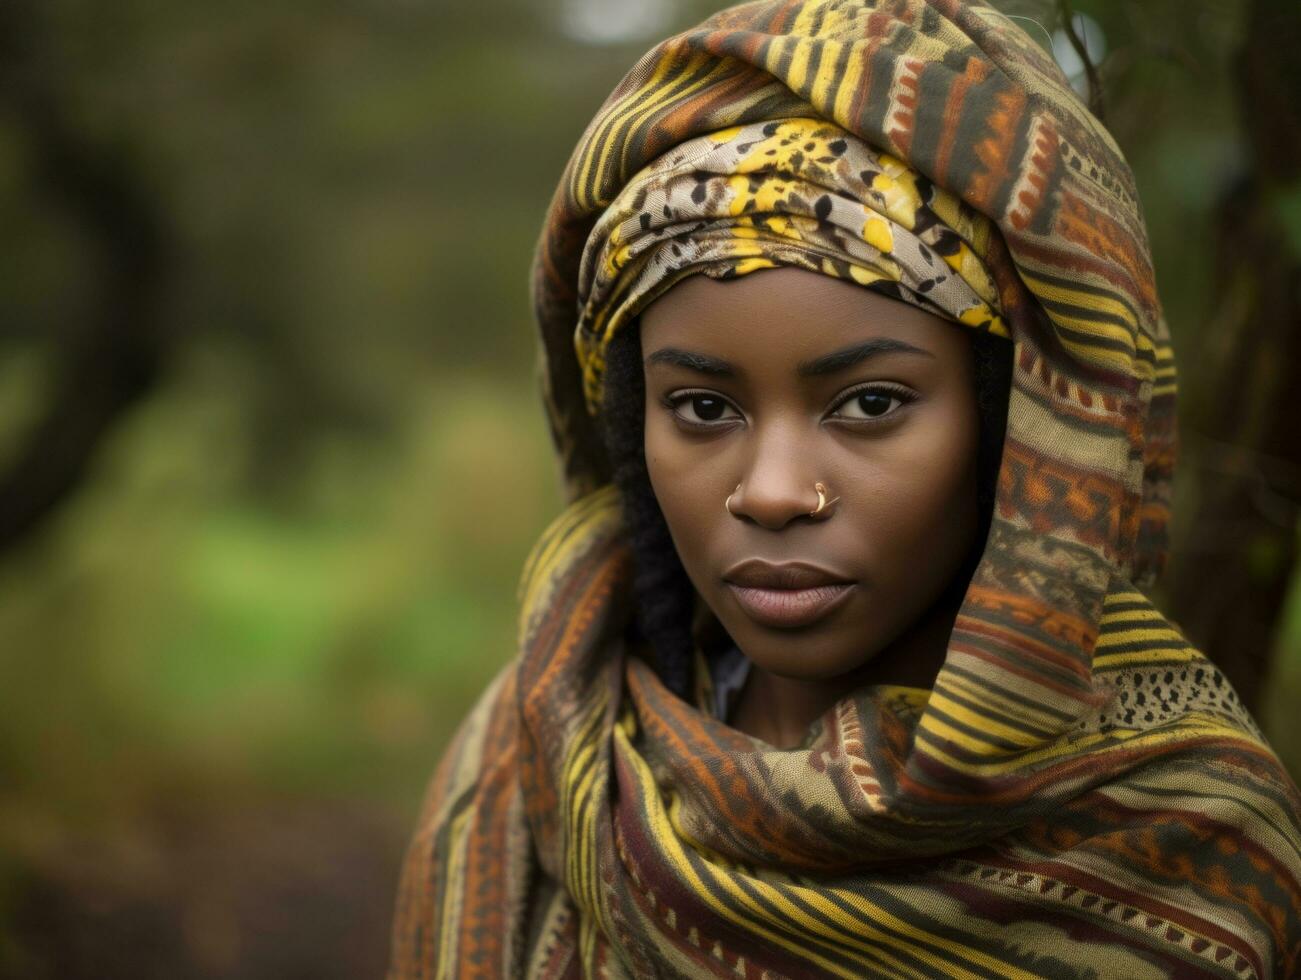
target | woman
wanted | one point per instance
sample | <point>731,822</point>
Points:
<point>837,664</point>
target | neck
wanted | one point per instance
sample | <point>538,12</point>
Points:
<point>779,710</point>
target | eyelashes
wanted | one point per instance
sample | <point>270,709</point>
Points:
<point>873,403</point>
<point>702,409</point>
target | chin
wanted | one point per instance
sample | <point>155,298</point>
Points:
<point>803,656</point>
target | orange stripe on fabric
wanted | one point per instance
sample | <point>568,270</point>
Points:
<point>974,71</point>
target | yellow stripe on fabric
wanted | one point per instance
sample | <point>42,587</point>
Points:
<point>455,873</point>
<point>1155,658</point>
<point>585,742</point>
<point>799,70</point>
<point>1013,709</point>
<point>1180,731</point>
<point>580,861</point>
<point>852,927</point>
<point>773,56</point>
<point>1114,359</point>
<point>1077,297</point>
<point>845,937</point>
<point>941,730</point>
<point>1104,330</point>
<point>568,533</point>
<point>855,925</point>
<point>630,119</point>
<point>965,715</point>
<point>1116,638</point>
<point>614,119</point>
<point>838,926</point>
<point>799,42</point>
<point>582,858</point>
<point>848,86</point>
<point>675,95</point>
<point>1022,760</point>
<point>555,536</point>
<point>805,22</point>
<point>563,538</point>
<point>668,840</point>
<point>837,931</point>
<point>826,78</point>
<point>1142,367</point>
<point>587,934</point>
<point>1128,596</point>
<point>972,955</point>
<point>1148,615</point>
<point>1195,724</point>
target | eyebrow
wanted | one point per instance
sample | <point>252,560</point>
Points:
<point>826,364</point>
<point>849,356</point>
<point>692,361</point>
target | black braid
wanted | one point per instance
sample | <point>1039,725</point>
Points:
<point>992,364</point>
<point>664,596</point>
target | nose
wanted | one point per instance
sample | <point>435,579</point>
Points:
<point>778,485</point>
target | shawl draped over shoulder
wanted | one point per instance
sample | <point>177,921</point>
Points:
<point>1079,794</point>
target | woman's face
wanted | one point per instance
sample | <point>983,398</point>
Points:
<point>782,379</point>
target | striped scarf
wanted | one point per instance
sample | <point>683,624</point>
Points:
<point>1078,794</point>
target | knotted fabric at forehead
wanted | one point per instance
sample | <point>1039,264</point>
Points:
<point>795,192</point>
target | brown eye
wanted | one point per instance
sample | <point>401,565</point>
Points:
<point>873,403</point>
<point>708,409</point>
<point>701,408</point>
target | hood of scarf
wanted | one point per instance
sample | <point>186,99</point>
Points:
<point>1083,489</point>
<point>1061,681</point>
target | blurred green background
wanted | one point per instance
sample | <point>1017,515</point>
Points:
<point>271,451</point>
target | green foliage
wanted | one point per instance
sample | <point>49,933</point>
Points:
<point>174,622</point>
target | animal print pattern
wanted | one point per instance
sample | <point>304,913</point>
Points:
<point>795,192</point>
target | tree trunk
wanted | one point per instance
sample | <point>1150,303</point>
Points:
<point>1235,559</point>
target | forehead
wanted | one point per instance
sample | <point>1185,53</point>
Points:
<point>788,314</point>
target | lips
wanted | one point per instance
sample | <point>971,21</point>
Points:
<point>787,595</point>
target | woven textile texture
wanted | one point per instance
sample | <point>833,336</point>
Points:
<point>1080,793</point>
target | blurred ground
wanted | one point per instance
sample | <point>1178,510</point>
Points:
<point>271,454</point>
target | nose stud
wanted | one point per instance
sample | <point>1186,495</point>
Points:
<point>821,512</point>
<point>825,507</point>
<point>728,502</point>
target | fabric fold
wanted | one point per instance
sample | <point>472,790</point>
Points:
<point>799,192</point>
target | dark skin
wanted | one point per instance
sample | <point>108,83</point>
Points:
<point>777,380</point>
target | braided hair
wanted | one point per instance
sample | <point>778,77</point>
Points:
<point>664,595</point>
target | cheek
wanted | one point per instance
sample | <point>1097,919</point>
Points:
<point>924,493</point>
<point>680,486</point>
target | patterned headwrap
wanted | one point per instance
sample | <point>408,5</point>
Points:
<point>798,192</point>
<point>1079,793</point>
